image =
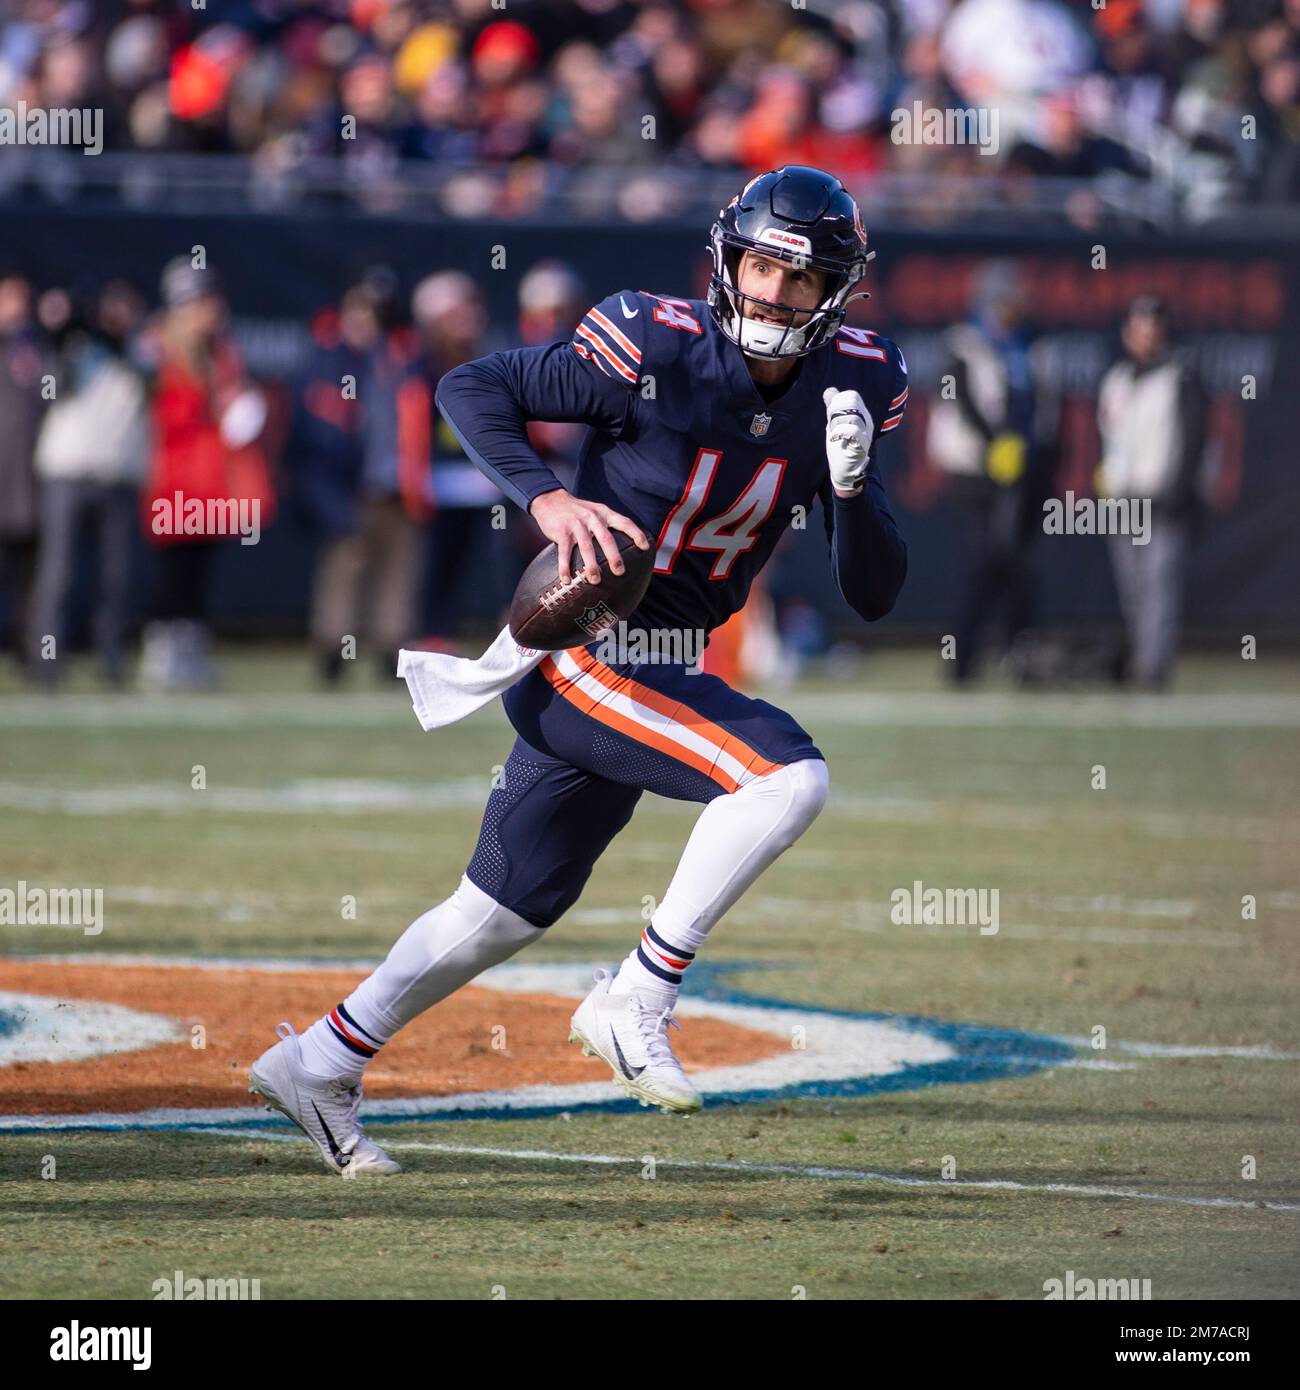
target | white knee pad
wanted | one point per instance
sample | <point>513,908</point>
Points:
<point>465,935</point>
<point>813,786</point>
<point>800,788</point>
<point>736,837</point>
<point>437,954</point>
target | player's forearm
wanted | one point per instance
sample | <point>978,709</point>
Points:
<point>868,555</point>
<point>481,403</point>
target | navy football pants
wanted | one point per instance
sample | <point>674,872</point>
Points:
<point>592,738</point>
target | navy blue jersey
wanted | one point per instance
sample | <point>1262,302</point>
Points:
<point>682,440</point>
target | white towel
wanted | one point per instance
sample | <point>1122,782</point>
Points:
<point>447,688</point>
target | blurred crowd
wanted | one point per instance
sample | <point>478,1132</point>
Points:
<point>118,422</point>
<point>1201,95</point>
<point>112,409</point>
<point>124,429</point>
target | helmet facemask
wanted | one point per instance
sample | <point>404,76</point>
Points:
<point>768,340</point>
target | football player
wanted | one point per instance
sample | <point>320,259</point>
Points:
<point>712,425</point>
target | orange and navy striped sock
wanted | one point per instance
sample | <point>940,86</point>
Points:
<point>657,963</point>
<point>337,1045</point>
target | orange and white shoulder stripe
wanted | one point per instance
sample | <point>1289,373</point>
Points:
<point>605,343</point>
<point>894,416</point>
<point>616,333</point>
<point>653,719</point>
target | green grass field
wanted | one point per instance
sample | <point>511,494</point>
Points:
<point>1119,908</point>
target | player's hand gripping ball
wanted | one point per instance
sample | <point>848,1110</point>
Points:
<point>849,431</point>
<point>557,605</point>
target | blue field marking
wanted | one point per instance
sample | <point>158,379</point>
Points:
<point>983,1054</point>
<point>11,1021</point>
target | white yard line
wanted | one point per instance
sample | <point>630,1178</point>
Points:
<point>1115,902</point>
<point>303,796</point>
<point>1048,710</point>
<point>1123,936</point>
<point>876,922</point>
<point>1049,817</point>
<point>270,965</point>
<point>879,925</point>
<point>1261,1052</point>
<point>853,707</point>
<point>210,711</point>
<point>152,895</point>
<point>799,1170</point>
<point>345,796</point>
<point>333,842</point>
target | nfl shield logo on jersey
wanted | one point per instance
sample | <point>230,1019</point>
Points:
<point>758,427</point>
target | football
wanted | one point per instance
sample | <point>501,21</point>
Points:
<point>549,615</point>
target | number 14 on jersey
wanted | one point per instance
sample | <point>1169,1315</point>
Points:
<point>730,534</point>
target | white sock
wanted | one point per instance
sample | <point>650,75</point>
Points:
<point>440,951</point>
<point>735,838</point>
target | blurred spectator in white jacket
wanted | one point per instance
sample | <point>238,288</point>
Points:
<point>1151,414</point>
<point>91,457</point>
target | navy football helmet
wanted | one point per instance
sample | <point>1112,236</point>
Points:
<point>796,214</point>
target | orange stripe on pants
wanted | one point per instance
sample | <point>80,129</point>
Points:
<point>673,710</point>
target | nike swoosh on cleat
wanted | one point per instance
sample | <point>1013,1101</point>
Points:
<point>335,1151</point>
<point>630,1072</point>
<point>627,313</point>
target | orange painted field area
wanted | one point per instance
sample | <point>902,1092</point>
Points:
<point>448,1051</point>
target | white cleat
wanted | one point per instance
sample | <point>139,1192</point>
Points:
<point>629,1032</point>
<point>323,1107</point>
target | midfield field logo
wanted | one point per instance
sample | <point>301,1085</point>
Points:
<point>77,1051</point>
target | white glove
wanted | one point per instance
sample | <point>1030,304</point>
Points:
<point>849,431</point>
